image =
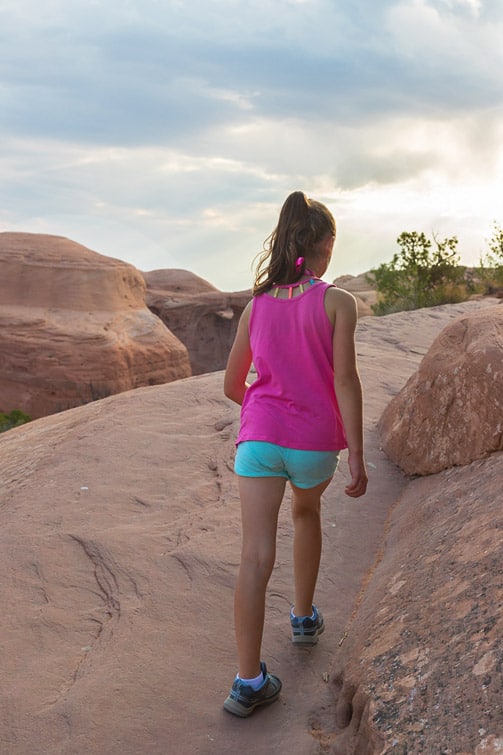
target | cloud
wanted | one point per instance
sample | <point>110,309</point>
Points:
<point>168,133</point>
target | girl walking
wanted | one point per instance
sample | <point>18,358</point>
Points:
<point>303,408</point>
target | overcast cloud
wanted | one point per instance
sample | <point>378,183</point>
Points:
<point>168,132</point>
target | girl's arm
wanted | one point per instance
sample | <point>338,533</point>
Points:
<point>347,385</point>
<point>240,359</point>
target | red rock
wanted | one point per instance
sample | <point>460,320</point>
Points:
<point>362,290</point>
<point>202,317</point>
<point>119,545</point>
<point>75,327</point>
<point>450,412</point>
<point>419,670</point>
<point>175,281</point>
<point>206,319</point>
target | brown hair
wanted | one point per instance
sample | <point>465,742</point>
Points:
<point>303,223</point>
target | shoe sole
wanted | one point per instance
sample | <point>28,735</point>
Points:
<point>308,639</point>
<point>232,706</point>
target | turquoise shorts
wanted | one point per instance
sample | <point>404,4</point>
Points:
<point>305,469</point>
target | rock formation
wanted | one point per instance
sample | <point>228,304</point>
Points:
<point>419,668</point>
<point>205,319</point>
<point>201,316</point>
<point>450,412</point>
<point>75,327</point>
<point>361,289</point>
<point>119,546</point>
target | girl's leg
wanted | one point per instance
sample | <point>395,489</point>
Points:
<point>306,511</point>
<point>260,502</point>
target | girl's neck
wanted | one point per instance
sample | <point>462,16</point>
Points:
<point>315,269</point>
<point>292,290</point>
<point>306,276</point>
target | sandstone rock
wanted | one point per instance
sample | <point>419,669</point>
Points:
<point>363,307</point>
<point>119,545</point>
<point>74,327</point>
<point>175,281</point>
<point>362,290</point>
<point>354,283</point>
<point>203,318</point>
<point>451,410</point>
<point>419,670</point>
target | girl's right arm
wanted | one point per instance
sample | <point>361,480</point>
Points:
<point>348,387</point>
<point>240,359</point>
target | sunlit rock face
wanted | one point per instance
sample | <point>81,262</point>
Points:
<point>75,327</point>
<point>202,317</point>
<point>450,412</point>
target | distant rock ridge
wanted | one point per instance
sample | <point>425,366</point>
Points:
<point>203,318</point>
<point>364,293</point>
<point>75,327</point>
<point>206,319</point>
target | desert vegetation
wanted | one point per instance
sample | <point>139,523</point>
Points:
<point>13,419</point>
<point>491,263</point>
<point>425,273</point>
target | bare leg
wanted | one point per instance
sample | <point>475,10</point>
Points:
<point>260,503</point>
<point>306,510</point>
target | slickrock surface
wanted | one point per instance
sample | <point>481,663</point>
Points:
<point>119,546</point>
<point>451,410</point>
<point>421,668</point>
<point>74,327</point>
<point>202,317</point>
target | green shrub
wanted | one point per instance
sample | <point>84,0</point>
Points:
<point>419,275</point>
<point>491,263</point>
<point>13,419</point>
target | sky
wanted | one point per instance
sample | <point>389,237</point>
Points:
<point>167,133</point>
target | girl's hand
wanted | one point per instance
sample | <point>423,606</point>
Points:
<point>359,479</point>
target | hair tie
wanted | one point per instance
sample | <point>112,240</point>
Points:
<point>299,263</point>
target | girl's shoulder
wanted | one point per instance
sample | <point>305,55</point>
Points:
<point>340,295</point>
<point>246,313</point>
<point>338,301</point>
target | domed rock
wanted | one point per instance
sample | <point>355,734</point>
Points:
<point>450,412</point>
<point>75,327</point>
<point>202,317</point>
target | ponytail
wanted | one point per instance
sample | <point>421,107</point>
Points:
<point>301,225</point>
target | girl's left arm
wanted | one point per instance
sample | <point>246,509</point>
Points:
<point>240,359</point>
<point>348,388</point>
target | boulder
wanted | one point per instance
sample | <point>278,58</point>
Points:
<point>75,327</point>
<point>450,412</point>
<point>202,317</point>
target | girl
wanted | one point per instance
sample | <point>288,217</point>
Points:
<point>303,408</point>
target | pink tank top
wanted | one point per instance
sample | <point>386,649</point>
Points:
<point>292,402</point>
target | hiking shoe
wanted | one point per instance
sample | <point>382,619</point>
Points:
<point>243,699</point>
<point>306,629</point>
